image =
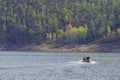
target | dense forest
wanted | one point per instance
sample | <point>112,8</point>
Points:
<point>59,22</point>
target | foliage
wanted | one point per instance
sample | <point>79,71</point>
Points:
<point>58,21</point>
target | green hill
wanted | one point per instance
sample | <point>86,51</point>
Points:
<point>58,22</point>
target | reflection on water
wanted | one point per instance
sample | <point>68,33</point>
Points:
<point>58,66</point>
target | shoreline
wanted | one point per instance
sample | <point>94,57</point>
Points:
<point>94,51</point>
<point>65,50</point>
<point>107,48</point>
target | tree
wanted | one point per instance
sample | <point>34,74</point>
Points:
<point>108,32</point>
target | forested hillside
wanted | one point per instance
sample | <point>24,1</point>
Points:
<point>59,22</point>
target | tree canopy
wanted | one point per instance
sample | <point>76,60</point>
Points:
<point>60,22</point>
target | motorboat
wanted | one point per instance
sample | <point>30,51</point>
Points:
<point>86,59</point>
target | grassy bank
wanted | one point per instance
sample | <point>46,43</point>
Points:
<point>103,47</point>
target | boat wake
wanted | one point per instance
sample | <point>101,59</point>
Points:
<point>81,62</point>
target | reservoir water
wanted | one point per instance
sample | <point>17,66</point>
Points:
<point>20,65</point>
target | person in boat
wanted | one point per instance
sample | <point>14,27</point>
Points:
<point>86,59</point>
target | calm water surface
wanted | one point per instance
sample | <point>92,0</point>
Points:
<point>16,65</point>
